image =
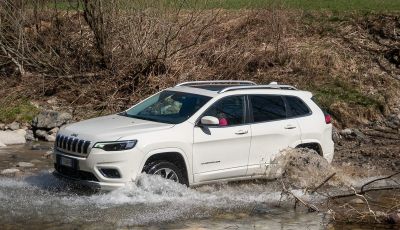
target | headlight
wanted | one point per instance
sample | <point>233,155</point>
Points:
<point>115,145</point>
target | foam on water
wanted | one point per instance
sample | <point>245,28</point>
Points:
<point>149,200</point>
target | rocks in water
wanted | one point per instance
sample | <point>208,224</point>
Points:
<point>9,171</point>
<point>25,164</point>
<point>54,130</point>
<point>13,137</point>
<point>2,126</point>
<point>48,154</point>
<point>29,135</point>
<point>52,134</point>
<point>51,137</point>
<point>14,126</point>
<point>49,119</point>
<point>41,134</point>
<point>47,123</point>
<point>2,145</point>
<point>47,136</point>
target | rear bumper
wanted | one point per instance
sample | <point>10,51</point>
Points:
<point>328,150</point>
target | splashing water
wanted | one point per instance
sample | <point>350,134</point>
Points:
<point>43,200</point>
<point>302,168</point>
<point>149,200</point>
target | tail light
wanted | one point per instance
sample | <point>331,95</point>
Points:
<point>328,118</point>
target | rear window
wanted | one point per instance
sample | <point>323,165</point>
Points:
<point>267,108</point>
<point>297,107</point>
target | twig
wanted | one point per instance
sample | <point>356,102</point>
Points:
<point>310,207</point>
<point>19,65</point>
<point>378,179</point>
<point>363,192</point>
<point>323,182</point>
<point>367,203</point>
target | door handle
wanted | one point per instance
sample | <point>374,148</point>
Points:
<point>290,127</point>
<point>241,132</point>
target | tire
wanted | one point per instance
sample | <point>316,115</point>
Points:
<point>166,170</point>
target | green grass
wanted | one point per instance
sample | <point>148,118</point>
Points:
<point>331,5</point>
<point>17,110</point>
<point>340,91</point>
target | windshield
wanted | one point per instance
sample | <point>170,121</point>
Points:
<point>168,107</point>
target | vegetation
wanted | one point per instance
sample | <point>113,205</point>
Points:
<point>332,5</point>
<point>19,109</point>
<point>99,57</point>
<point>340,91</point>
<point>329,5</point>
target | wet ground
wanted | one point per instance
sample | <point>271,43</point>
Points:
<point>35,199</point>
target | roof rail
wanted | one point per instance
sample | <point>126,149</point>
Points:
<point>225,82</point>
<point>272,85</point>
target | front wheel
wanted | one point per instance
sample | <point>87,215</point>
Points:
<point>166,170</point>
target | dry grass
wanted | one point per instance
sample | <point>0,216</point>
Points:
<point>312,51</point>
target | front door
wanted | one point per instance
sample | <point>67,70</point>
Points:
<point>222,151</point>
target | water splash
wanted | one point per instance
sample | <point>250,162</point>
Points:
<point>302,168</point>
<point>150,199</point>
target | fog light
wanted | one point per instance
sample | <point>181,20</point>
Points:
<point>110,173</point>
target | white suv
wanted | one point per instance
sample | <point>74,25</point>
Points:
<point>194,133</point>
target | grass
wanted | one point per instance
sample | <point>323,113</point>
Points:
<point>331,5</point>
<point>340,91</point>
<point>17,110</point>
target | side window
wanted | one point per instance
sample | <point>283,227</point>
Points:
<point>229,111</point>
<point>297,106</point>
<point>267,108</point>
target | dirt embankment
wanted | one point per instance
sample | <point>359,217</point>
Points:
<point>349,61</point>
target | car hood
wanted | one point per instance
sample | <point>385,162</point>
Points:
<point>111,128</point>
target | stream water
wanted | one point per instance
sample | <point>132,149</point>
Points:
<point>37,200</point>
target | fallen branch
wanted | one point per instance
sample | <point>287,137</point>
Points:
<point>323,182</point>
<point>15,61</point>
<point>310,207</point>
<point>378,179</point>
<point>363,192</point>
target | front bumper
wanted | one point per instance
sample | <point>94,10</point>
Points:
<point>87,171</point>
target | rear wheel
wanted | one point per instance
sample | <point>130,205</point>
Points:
<point>166,170</point>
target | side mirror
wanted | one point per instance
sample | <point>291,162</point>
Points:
<point>209,120</point>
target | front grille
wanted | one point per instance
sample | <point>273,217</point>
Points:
<point>72,144</point>
<point>76,174</point>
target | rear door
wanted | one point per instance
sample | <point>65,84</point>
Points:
<point>222,151</point>
<point>272,131</point>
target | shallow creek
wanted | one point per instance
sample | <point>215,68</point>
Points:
<point>35,199</point>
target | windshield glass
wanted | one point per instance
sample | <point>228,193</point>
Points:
<point>168,107</point>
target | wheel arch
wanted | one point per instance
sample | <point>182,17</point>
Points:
<point>314,145</point>
<point>173,155</point>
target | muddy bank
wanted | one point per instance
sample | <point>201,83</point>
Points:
<point>350,61</point>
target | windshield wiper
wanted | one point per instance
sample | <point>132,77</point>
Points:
<point>123,113</point>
